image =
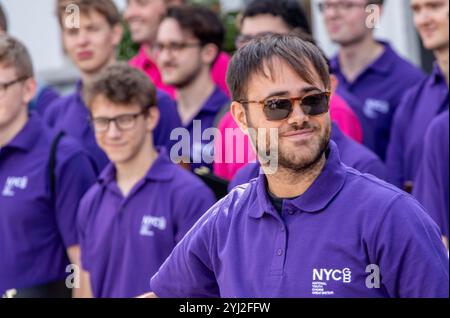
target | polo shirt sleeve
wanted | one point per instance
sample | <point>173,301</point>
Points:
<point>408,249</point>
<point>396,149</point>
<point>428,186</point>
<point>169,120</point>
<point>191,204</point>
<point>85,210</point>
<point>73,178</point>
<point>188,272</point>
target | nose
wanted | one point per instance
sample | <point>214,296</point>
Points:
<point>113,131</point>
<point>297,116</point>
<point>82,38</point>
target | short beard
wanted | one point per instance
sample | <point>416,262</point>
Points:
<point>283,161</point>
<point>189,78</point>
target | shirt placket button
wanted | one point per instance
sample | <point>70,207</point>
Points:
<point>280,252</point>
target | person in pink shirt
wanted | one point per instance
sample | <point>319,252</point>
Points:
<point>143,18</point>
<point>260,17</point>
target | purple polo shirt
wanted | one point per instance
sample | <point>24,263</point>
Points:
<point>44,97</point>
<point>419,107</point>
<point>71,114</point>
<point>432,182</point>
<point>35,228</point>
<point>351,153</point>
<point>125,240</point>
<point>379,89</point>
<point>204,120</point>
<point>320,246</point>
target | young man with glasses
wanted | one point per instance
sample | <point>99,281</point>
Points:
<point>92,47</point>
<point>42,179</point>
<point>367,68</point>
<point>142,203</point>
<point>313,228</point>
<point>188,42</point>
<point>45,94</point>
<point>143,18</point>
<point>426,100</point>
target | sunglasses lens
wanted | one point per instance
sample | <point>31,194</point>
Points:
<point>315,104</point>
<point>277,109</point>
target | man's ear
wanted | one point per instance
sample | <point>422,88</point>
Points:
<point>153,118</point>
<point>334,83</point>
<point>209,53</point>
<point>29,90</point>
<point>117,34</point>
<point>239,115</point>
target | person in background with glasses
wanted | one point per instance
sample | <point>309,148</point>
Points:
<point>41,183</point>
<point>45,94</point>
<point>188,42</point>
<point>425,101</point>
<point>143,18</point>
<point>313,227</point>
<point>92,47</point>
<point>142,203</point>
<point>369,69</point>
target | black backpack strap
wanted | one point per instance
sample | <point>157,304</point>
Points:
<point>52,162</point>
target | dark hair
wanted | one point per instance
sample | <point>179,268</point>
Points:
<point>290,11</point>
<point>3,20</point>
<point>377,2</point>
<point>252,59</point>
<point>106,8</point>
<point>14,54</point>
<point>122,84</point>
<point>204,24</point>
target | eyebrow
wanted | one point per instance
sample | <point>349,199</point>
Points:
<point>286,93</point>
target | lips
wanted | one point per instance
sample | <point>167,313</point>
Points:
<point>85,55</point>
<point>298,133</point>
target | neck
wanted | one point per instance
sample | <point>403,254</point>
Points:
<point>191,97</point>
<point>287,184</point>
<point>131,172</point>
<point>9,132</point>
<point>354,58</point>
<point>442,59</point>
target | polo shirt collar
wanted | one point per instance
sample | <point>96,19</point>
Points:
<point>319,195</point>
<point>162,170</point>
<point>383,64</point>
<point>26,138</point>
<point>436,75</point>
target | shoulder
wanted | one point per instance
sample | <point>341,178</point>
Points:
<point>57,108</point>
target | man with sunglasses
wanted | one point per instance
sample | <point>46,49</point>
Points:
<point>422,103</point>
<point>262,17</point>
<point>142,203</point>
<point>312,227</point>
<point>369,69</point>
<point>42,180</point>
<point>92,47</point>
<point>188,42</point>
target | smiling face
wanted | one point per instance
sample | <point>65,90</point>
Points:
<point>92,46</point>
<point>122,146</point>
<point>345,21</point>
<point>431,19</point>
<point>143,18</point>
<point>302,140</point>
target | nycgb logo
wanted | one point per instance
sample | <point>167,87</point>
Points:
<point>14,183</point>
<point>323,274</point>
<point>149,223</point>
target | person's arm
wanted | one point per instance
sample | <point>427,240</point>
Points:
<point>84,291</point>
<point>148,295</point>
